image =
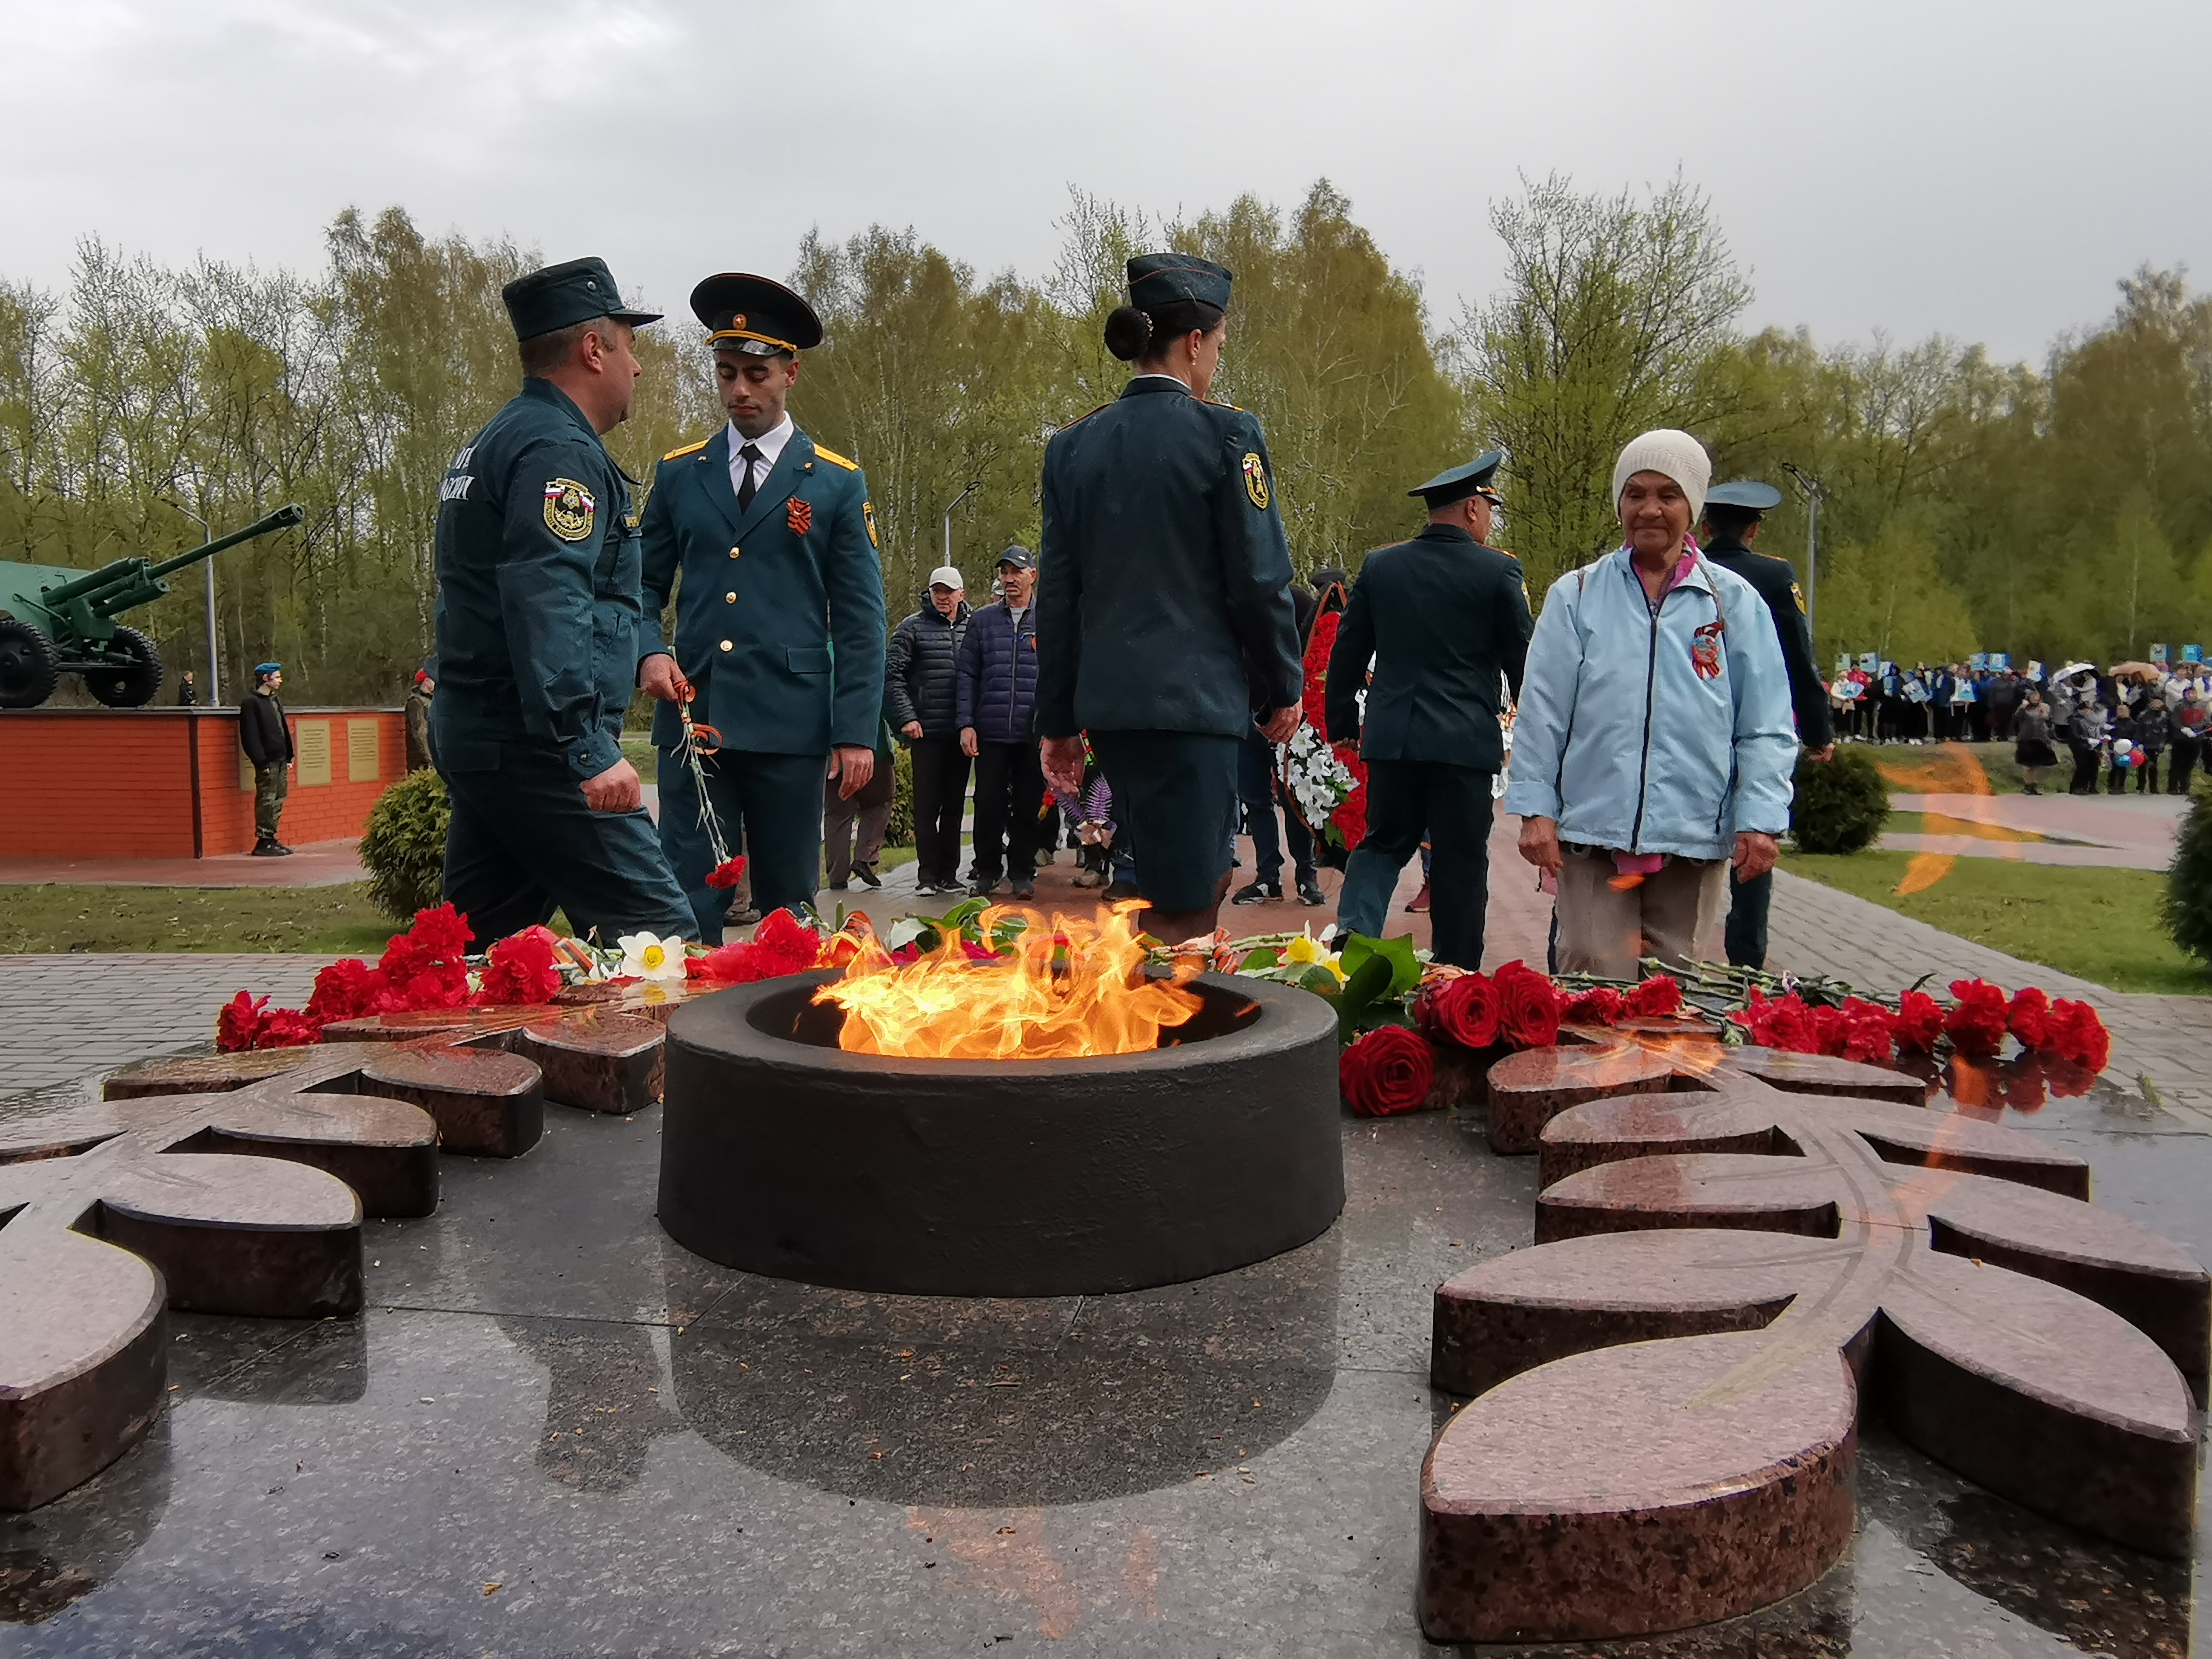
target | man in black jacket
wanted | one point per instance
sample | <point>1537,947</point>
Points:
<point>921,674</point>
<point>1732,520</point>
<point>267,741</point>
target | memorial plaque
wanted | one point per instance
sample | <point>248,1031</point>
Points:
<point>362,765</point>
<point>311,743</point>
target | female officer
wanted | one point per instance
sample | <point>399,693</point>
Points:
<point>1164,625</point>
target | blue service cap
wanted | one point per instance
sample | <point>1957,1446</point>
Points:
<point>555,297</point>
<point>753,315</point>
<point>1159,279</point>
<point>1459,483</point>
<point>1747,494</point>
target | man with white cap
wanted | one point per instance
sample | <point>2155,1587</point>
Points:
<point>1653,747</point>
<point>921,693</point>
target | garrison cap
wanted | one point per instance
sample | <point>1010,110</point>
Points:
<point>1159,279</point>
<point>1019,556</point>
<point>1458,482</point>
<point>1745,494</point>
<point>754,315</point>
<point>559,296</point>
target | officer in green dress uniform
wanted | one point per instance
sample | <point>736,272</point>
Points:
<point>1165,624</point>
<point>537,617</point>
<point>1445,620</point>
<point>1732,519</point>
<point>779,615</point>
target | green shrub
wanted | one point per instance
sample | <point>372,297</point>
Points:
<point>900,833</point>
<point>404,847</point>
<point>2186,908</point>
<point>1841,804</point>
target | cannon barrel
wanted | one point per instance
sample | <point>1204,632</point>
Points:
<point>134,574</point>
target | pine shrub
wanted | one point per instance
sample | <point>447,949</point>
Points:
<point>404,846</point>
<point>900,831</point>
<point>1840,804</point>
<point>2187,909</point>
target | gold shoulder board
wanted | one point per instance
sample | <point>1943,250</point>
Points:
<point>687,449</point>
<point>836,459</point>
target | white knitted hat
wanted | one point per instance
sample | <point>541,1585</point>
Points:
<point>1676,454</point>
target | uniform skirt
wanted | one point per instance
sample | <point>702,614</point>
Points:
<point>2033,752</point>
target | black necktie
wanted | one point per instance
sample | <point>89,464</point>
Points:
<point>751,457</point>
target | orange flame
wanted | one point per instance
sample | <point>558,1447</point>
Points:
<point>1069,989</point>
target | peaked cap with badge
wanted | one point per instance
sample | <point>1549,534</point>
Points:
<point>538,615</point>
<point>1456,484</point>
<point>1776,582</point>
<point>779,620</point>
<point>1745,494</point>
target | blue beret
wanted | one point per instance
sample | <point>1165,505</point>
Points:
<point>559,296</point>
<point>1747,494</point>
<point>1159,279</point>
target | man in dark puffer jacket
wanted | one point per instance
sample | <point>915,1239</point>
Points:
<point>921,676</point>
<point>997,708</point>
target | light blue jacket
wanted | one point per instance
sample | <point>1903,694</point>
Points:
<point>1624,743</point>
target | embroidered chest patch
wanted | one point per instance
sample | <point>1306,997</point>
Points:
<point>800,515</point>
<point>569,509</point>
<point>1705,651</point>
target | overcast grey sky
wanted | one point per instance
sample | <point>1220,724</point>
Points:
<point>1986,169</point>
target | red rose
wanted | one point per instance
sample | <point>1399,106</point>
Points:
<point>1462,1009</point>
<point>1654,998</point>
<point>1528,1007</point>
<point>1919,1022</point>
<point>728,873</point>
<point>1599,1005</point>
<point>2029,1017</point>
<point>1387,1072</point>
<point>2079,1035</point>
<point>1977,1020</point>
<point>239,1023</point>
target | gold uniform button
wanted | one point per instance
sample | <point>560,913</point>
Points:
<point>725,645</point>
<point>735,551</point>
<point>730,598</point>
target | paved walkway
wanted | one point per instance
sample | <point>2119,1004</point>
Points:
<point>317,864</point>
<point>2132,832</point>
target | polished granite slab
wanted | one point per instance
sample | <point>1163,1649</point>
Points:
<point>556,1432</point>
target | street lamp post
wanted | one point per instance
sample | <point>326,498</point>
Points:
<point>1815,493</point>
<point>956,499</point>
<point>206,569</point>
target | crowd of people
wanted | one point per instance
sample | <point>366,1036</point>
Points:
<point>2136,725</point>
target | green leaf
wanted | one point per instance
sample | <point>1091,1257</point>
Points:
<point>1265,956</point>
<point>1405,967</point>
<point>1367,984</point>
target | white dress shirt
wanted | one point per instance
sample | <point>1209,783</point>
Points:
<point>770,445</point>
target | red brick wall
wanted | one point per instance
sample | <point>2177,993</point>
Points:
<point>110,783</point>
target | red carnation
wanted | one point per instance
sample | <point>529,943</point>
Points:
<point>443,932</point>
<point>1828,1028</point>
<point>783,937</point>
<point>2029,1017</point>
<point>2078,1035</point>
<point>1655,996</point>
<point>345,990</point>
<point>239,1023</point>
<point>1528,1007</point>
<point>728,873</point>
<point>1387,1072</point>
<point>1977,1020</point>
<point>1783,1023</point>
<point>288,1028</point>
<point>1462,1009</point>
<point>1868,1031</point>
<point>520,970</point>
<point>1919,1022</point>
<point>1599,1005</point>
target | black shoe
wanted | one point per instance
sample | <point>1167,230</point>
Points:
<point>1255,892</point>
<point>1025,889</point>
<point>835,886</point>
<point>983,887</point>
<point>1117,891</point>
<point>283,851</point>
<point>867,872</point>
<point>1309,893</point>
<point>268,849</point>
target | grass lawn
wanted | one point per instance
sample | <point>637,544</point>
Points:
<point>2100,925</point>
<point>1956,768</point>
<point>332,920</point>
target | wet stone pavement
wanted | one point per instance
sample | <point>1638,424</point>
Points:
<point>556,1432</point>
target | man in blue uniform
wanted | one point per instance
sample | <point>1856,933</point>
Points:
<point>779,616</point>
<point>1165,627</point>
<point>1445,618</point>
<point>1733,512</point>
<point>537,621</point>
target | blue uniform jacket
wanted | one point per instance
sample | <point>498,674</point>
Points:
<point>1444,617</point>
<point>538,590</point>
<point>1645,732</point>
<point>1163,598</point>
<point>1776,582</point>
<point>780,618</point>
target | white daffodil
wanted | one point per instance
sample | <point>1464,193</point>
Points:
<point>647,956</point>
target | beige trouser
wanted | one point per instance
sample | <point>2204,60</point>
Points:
<point>1605,930</point>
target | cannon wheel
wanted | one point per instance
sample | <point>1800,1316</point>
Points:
<point>30,667</point>
<point>132,687</point>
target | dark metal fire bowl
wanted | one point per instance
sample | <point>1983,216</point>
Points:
<point>782,1154</point>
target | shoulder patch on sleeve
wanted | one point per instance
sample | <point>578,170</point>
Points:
<point>1798,594</point>
<point>836,459</point>
<point>687,449</point>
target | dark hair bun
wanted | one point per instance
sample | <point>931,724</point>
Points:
<point>1127,333</point>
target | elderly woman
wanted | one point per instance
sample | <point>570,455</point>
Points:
<point>1654,746</point>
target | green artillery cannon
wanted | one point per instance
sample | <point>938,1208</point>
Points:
<point>56,620</point>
